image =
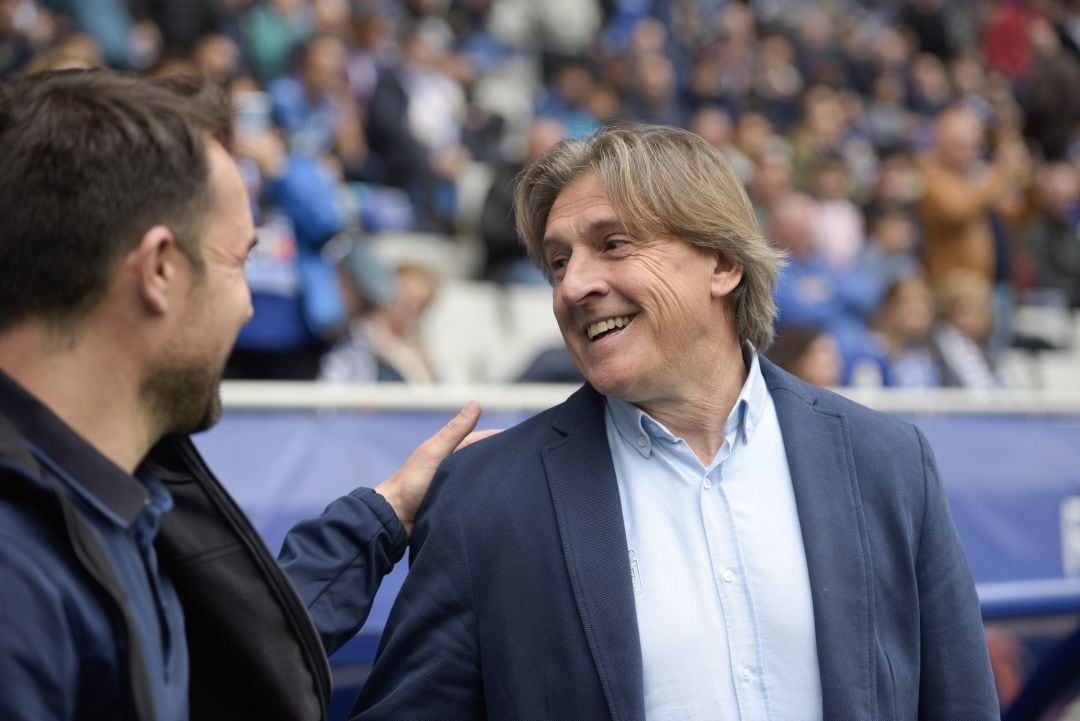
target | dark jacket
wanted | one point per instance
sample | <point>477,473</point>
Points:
<point>254,651</point>
<point>520,602</point>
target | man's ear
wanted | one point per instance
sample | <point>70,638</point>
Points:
<point>725,278</point>
<point>154,263</point>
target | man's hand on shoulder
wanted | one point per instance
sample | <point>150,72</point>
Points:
<point>404,490</point>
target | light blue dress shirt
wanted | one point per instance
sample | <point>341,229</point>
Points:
<point>722,592</point>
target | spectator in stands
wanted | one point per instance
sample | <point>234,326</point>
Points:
<point>654,96</point>
<point>777,80</point>
<point>753,135</point>
<point>217,56</point>
<point>821,59</point>
<point>810,291</point>
<point>898,182</point>
<point>809,354</point>
<point>971,84</point>
<point>131,586</point>
<point>387,329</point>
<point>930,90</point>
<point>1053,234</point>
<point>891,50</point>
<point>772,179</point>
<point>436,98</point>
<point>1053,105</point>
<point>506,260</point>
<point>904,327</point>
<point>299,309</point>
<point>823,131</point>
<point>273,30</point>
<point>715,127</point>
<point>314,108</point>
<point>400,159</point>
<point>372,45</point>
<point>890,253</point>
<point>1006,39</point>
<point>930,22</point>
<point>566,100</point>
<point>958,198</point>
<point>965,317</point>
<point>368,288</point>
<point>839,230</point>
<point>596,534</point>
<point>733,56</point>
<point>887,123</point>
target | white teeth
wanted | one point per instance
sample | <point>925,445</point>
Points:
<point>605,325</point>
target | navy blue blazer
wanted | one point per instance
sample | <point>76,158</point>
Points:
<point>519,603</point>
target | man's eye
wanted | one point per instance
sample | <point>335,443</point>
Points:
<point>557,264</point>
<point>614,243</point>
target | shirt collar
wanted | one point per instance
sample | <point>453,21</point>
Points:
<point>640,430</point>
<point>117,495</point>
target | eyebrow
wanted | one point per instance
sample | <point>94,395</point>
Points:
<point>596,227</point>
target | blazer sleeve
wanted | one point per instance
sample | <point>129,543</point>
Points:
<point>428,662</point>
<point>955,680</point>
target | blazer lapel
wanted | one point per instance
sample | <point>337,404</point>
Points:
<point>589,515</point>
<point>837,551</point>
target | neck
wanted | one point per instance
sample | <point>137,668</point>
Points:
<point>700,416</point>
<point>83,380</point>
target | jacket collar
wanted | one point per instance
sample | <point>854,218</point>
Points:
<point>104,485</point>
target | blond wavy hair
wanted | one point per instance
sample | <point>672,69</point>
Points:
<point>664,180</point>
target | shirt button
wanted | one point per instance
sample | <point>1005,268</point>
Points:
<point>642,442</point>
<point>729,575</point>
<point>707,483</point>
<point>746,673</point>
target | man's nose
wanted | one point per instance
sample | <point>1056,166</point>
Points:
<point>582,277</point>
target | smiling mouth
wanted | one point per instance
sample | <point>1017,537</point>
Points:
<point>607,327</point>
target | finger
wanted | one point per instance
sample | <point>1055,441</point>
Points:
<point>477,436</point>
<point>450,436</point>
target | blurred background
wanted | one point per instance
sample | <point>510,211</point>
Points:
<point>919,160</point>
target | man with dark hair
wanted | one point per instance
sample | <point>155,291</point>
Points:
<point>66,220</point>
<point>695,534</point>
<point>131,585</point>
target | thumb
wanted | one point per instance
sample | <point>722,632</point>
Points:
<point>434,450</point>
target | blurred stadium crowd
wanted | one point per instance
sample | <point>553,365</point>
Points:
<point>920,161</point>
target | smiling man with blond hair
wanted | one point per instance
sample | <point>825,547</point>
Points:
<point>694,534</point>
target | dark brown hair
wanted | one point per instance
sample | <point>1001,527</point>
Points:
<point>89,161</point>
